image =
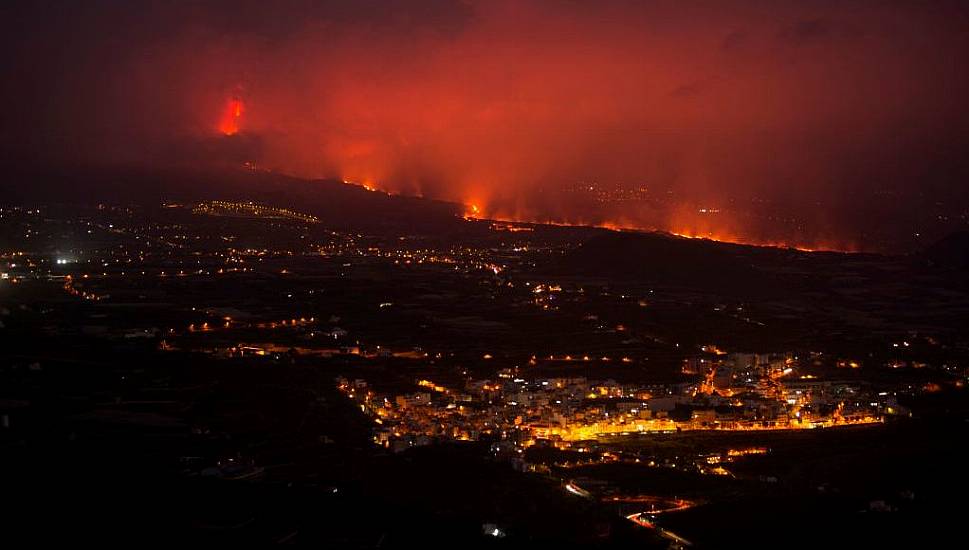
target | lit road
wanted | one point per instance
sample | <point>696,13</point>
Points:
<point>658,505</point>
<point>639,520</point>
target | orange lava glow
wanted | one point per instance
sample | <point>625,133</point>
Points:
<point>472,211</point>
<point>735,239</point>
<point>717,225</point>
<point>231,117</point>
<point>677,227</point>
<point>810,125</point>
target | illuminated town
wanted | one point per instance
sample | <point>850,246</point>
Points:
<point>742,392</point>
<point>484,274</point>
<point>503,342</point>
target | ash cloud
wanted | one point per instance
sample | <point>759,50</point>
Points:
<point>763,110</point>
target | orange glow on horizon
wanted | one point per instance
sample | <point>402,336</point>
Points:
<point>687,234</point>
<point>831,127</point>
<point>475,212</point>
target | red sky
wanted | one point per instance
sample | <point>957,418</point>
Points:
<point>797,112</point>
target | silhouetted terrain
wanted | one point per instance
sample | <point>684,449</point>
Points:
<point>951,251</point>
<point>799,290</point>
<point>211,370</point>
<point>666,259</point>
<point>338,204</point>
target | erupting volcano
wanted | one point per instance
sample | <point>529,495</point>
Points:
<point>231,117</point>
<point>807,123</point>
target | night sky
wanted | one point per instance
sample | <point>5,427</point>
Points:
<point>808,122</point>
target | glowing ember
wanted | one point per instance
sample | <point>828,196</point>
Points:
<point>472,211</point>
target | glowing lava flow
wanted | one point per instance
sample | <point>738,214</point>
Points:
<point>231,117</point>
<point>473,212</point>
<point>686,234</point>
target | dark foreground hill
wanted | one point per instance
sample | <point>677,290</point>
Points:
<point>839,291</point>
<point>951,251</point>
<point>670,260</point>
<point>336,203</point>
